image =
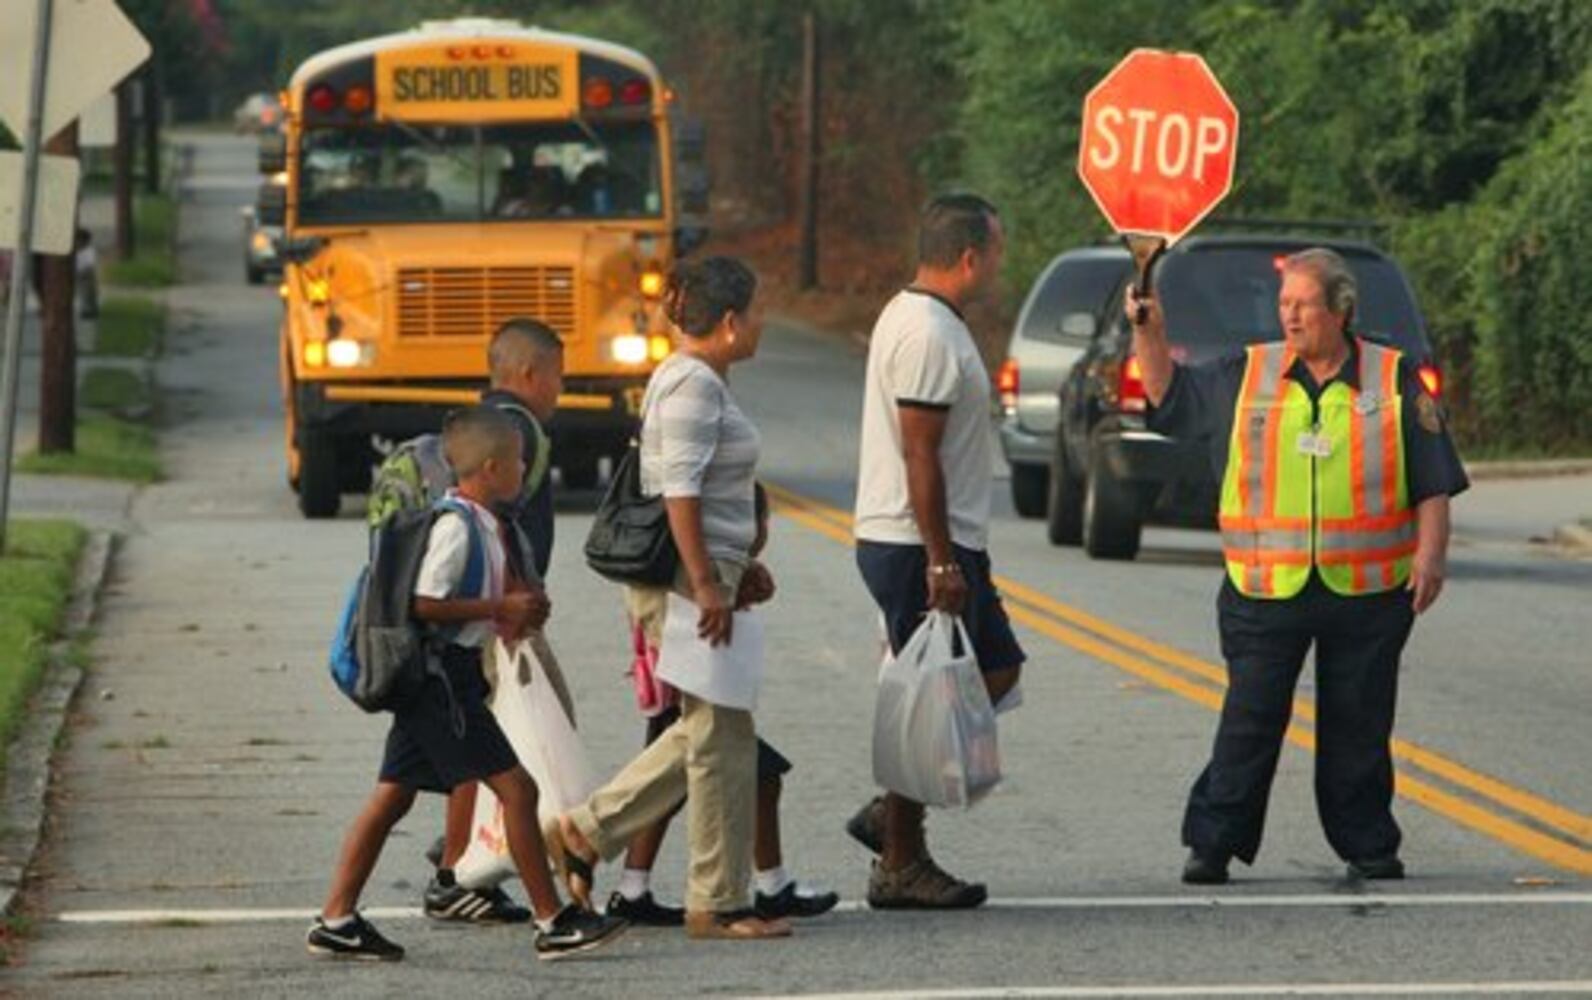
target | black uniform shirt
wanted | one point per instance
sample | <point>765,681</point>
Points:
<point>1200,402</point>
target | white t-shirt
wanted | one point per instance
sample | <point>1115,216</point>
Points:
<point>922,353</point>
<point>447,554</point>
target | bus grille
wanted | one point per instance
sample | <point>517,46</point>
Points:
<point>474,301</point>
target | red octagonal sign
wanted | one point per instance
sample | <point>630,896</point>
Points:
<point>1160,137</point>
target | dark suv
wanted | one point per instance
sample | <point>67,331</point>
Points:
<point>1109,474</point>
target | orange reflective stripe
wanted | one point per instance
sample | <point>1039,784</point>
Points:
<point>1387,384</point>
<point>1351,557</point>
<point>1370,523</point>
<point>1270,557</point>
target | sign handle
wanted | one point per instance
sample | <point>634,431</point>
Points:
<point>22,261</point>
<point>1146,251</point>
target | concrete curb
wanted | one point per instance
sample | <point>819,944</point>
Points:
<point>1529,470</point>
<point>28,763</point>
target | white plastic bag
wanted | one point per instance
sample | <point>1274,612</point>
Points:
<point>933,725</point>
<point>528,711</point>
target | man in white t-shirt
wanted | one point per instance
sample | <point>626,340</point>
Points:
<point>923,503</point>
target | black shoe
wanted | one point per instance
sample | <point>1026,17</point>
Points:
<point>576,930</point>
<point>1202,869</point>
<point>1387,867</point>
<point>434,853</point>
<point>788,902</point>
<point>472,906</point>
<point>867,827</point>
<point>358,940</point>
<point>644,911</point>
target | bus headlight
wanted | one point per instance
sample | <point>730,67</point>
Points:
<point>651,283</point>
<point>315,354</point>
<point>630,349</point>
<point>344,353</point>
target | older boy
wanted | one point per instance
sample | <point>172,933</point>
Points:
<point>427,748</point>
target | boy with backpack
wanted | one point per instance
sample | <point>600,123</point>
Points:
<point>525,362</point>
<point>442,734</point>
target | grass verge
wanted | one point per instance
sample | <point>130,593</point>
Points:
<point>115,390</point>
<point>130,326</point>
<point>153,264</point>
<point>36,573</point>
<point>107,448</point>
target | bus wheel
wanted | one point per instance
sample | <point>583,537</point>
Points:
<point>580,472</point>
<point>320,488</point>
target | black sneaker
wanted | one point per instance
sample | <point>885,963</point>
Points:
<point>792,901</point>
<point>472,906</point>
<point>644,911</point>
<point>1377,869</point>
<point>867,826</point>
<point>575,930</point>
<point>1203,869</point>
<point>358,940</point>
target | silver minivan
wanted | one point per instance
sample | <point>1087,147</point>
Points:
<point>1053,329</point>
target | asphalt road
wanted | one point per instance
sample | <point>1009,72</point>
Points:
<point>208,780</point>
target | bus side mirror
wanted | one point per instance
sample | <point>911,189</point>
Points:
<point>273,153</point>
<point>688,238</point>
<point>690,140</point>
<point>270,208</point>
<point>692,186</point>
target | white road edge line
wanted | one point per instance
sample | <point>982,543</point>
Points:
<point>1567,987</point>
<point>1212,902</point>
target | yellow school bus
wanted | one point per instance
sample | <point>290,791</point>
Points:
<point>442,180</point>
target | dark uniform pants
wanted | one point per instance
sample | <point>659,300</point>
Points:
<point>1358,641</point>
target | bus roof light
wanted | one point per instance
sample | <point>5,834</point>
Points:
<point>323,98</point>
<point>482,52</point>
<point>598,93</point>
<point>635,92</point>
<point>505,51</point>
<point>457,52</point>
<point>358,100</point>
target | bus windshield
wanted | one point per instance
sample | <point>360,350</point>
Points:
<point>401,173</point>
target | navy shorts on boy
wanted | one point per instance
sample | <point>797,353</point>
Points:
<point>896,576</point>
<point>426,748</point>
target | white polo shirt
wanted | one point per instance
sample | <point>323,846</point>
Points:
<point>922,353</point>
<point>448,554</point>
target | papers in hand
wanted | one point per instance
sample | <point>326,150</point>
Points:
<point>728,675</point>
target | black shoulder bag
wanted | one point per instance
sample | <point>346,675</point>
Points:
<point>629,540</point>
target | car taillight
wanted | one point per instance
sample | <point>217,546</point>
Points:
<point>1432,379</point>
<point>1130,386</point>
<point>1007,383</point>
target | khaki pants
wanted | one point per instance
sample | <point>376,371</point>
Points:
<point>708,758</point>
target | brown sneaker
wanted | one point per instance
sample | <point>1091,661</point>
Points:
<point>742,925</point>
<point>922,885</point>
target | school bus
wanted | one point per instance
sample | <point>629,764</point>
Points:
<point>442,180</point>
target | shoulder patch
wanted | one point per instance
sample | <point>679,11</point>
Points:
<point>1426,414</point>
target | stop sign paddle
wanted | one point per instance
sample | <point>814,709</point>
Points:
<point>1158,144</point>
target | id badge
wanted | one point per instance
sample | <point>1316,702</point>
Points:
<point>1315,445</point>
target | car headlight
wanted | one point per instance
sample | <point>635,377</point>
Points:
<point>630,349</point>
<point>261,242</point>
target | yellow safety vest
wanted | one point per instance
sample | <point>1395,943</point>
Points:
<point>1318,486</point>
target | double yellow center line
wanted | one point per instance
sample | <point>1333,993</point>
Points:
<point>1517,818</point>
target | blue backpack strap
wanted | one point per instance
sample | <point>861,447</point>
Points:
<point>475,560</point>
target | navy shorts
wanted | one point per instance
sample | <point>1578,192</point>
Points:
<point>896,576</point>
<point>427,750</point>
<point>771,763</point>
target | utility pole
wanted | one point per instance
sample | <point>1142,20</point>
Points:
<point>126,240</point>
<point>58,331</point>
<point>151,91</point>
<point>807,261</point>
<point>31,140</point>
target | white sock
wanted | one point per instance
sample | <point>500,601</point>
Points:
<point>545,926</point>
<point>338,924</point>
<point>635,883</point>
<point>771,882</point>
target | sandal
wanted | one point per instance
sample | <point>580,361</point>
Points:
<point>739,925</point>
<point>575,870</point>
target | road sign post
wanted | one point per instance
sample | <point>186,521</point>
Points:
<point>1159,141</point>
<point>32,139</point>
